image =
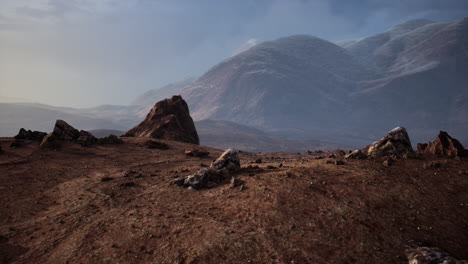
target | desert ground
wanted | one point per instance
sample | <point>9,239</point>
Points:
<point>116,204</point>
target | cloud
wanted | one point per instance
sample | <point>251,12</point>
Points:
<point>88,52</point>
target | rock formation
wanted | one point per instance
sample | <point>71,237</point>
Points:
<point>430,255</point>
<point>111,139</point>
<point>168,119</point>
<point>444,145</point>
<point>30,135</point>
<point>62,132</point>
<point>395,143</point>
<point>219,171</point>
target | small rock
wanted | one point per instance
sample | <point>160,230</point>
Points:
<point>432,165</point>
<point>430,255</point>
<point>269,167</point>
<point>235,182</point>
<point>196,153</point>
<point>258,161</point>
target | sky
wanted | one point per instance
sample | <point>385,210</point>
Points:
<point>83,53</point>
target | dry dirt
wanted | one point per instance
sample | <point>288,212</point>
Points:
<point>56,208</point>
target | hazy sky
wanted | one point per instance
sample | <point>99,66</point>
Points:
<point>88,52</point>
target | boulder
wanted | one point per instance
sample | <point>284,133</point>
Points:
<point>86,139</point>
<point>50,141</point>
<point>356,154</point>
<point>219,171</point>
<point>430,255</point>
<point>30,135</point>
<point>445,145</point>
<point>229,160</point>
<point>395,143</point>
<point>63,131</point>
<point>168,119</point>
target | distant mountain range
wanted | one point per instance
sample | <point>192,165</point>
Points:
<point>303,89</point>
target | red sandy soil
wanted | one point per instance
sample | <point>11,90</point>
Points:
<point>54,208</point>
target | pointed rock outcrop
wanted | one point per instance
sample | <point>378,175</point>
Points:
<point>395,143</point>
<point>445,145</point>
<point>168,119</point>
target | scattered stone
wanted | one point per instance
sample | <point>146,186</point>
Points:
<point>168,119</point>
<point>219,170</point>
<point>430,255</point>
<point>445,145</point>
<point>86,139</point>
<point>270,167</point>
<point>356,154</point>
<point>30,135</point>
<point>17,143</point>
<point>331,156</point>
<point>394,143</point>
<point>329,162</point>
<point>388,162</point>
<point>203,165</point>
<point>258,161</point>
<point>319,157</point>
<point>280,165</point>
<point>197,153</point>
<point>152,144</point>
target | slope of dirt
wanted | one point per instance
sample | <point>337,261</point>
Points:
<point>115,204</point>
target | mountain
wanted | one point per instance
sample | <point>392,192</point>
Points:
<point>225,134</point>
<point>412,75</point>
<point>150,97</point>
<point>42,117</point>
<point>286,84</point>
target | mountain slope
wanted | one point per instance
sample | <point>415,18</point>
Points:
<point>287,83</point>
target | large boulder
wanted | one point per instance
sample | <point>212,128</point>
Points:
<point>219,171</point>
<point>445,145</point>
<point>168,119</point>
<point>30,135</point>
<point>395,143</point>
<point>63,131</point>
<point>430,255</point>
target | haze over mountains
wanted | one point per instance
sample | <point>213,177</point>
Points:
<point>304,88</point>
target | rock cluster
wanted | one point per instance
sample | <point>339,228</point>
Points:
<point>152,144</point>
<point>395,143</point>
<point>24,134</point>
<point>430,255</point>
<point>219,171</point>
<point>63,132</point>
<point>443,145</point>
<point>169,119</point>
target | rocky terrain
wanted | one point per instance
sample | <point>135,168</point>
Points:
<point>122,203</point>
